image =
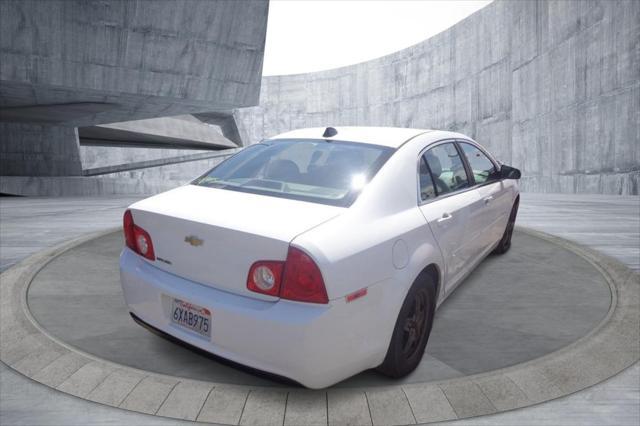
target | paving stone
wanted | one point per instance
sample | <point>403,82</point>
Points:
<point>13,351</point>
<point>264,407</point>
<point>60,369</point>
<point>389,407</point>
<point>86,379</point>
<point>535,385</point>
<point>36,361</point>
<point>185,400</point>
<point>12,334</point>
<point>149,394</point>
<point>429,403</point>
<point>224,405</point>
<point>467,399</point>
<point>306,407</point>
<point>115,388</point>
<point>503,393</point>
<point>348,407</point>
<point>576,370</point>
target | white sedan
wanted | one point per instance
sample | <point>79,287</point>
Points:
<point>319,253</point>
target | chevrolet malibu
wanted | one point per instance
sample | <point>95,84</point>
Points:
<point>319,253</point>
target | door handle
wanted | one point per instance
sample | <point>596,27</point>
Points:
<point>445,216</point>
<point>488,199</point>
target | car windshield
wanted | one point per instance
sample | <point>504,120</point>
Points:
<point>320,171</point>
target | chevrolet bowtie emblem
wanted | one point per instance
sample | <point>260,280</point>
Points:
<point>193,240</point>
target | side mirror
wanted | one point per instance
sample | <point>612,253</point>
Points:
<point>508,172</point>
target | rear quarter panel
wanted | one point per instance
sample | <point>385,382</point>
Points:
<point>356,249</point>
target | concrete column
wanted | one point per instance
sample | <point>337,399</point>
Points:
<point>29,149</point>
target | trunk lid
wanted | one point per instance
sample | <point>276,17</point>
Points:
<point>213,236</point>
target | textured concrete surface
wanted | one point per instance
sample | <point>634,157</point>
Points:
<point>609,224</point>
<point>202,55</point>
<point>68,64</point>
<point>39,150</point>
<point>129,179</point>
<point>159,150</point>
<point>183,131</point>
<point>552,87</point>
<point>613,402</point>
<point>136,176</point>
<point>530,302</point>
<point>173,158</point>
<point>97,157</point>
<point>28,225</point>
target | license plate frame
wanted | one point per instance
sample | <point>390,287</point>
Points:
<point>191,317</point>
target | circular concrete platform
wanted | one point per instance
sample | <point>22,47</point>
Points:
<point>534,300</point>
<point>546,320</point>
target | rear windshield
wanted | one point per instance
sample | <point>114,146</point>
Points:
<point>326,172</point>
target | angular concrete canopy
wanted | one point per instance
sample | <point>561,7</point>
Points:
<point>77,64</point>
<point>151,58</point>
<point>176,132</point>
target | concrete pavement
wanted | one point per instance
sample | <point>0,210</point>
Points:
<point>612,402</point>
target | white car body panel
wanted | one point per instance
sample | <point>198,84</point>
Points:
<point>256,226</point>
<point>382,242</point>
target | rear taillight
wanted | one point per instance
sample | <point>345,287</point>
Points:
<point>127,225</point>
<point>298,278</point>
<point>136,238</point>
<point>302,279</point>
<point>265,277</point>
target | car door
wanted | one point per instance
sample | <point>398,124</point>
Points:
<point>445,197</point>
<point>491,214</point>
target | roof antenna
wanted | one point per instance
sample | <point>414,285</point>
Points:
<point>329,132</point>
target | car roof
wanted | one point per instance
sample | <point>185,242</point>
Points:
<point>386,136</point>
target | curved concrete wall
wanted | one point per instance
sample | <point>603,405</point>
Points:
<point>550,87</point>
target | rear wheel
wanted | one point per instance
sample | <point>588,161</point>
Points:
<point>412,329</point>
<point>505,243</point>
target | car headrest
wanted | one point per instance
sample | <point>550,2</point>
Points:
<point>315,157</point>
<point>282,170</point>
<point>346,157</point>
<point>434,164</point>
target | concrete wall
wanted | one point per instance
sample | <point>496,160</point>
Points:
<point>39,150</point>
<point>146,181</point>
<point>193,50</point>
<point>66,64</point>
<point>552,87</point>
<point>105,156</point>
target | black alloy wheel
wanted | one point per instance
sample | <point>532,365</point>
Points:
<point>412,329</point>
<point>414,324</point>
<point>505,243</point>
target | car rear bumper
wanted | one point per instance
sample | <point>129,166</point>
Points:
<point>315,345</point>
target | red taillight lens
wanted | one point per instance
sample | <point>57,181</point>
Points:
<point>127,225</point>
<point>298,278</point>
<point>136,238</point>
<point>302,279</point>
<point>265,277</point>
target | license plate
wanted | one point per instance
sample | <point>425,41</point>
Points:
<point>191,317</point>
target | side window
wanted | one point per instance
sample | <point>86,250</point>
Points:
<point>446,168</point>
<point>427,190</point>
<point>482,168</point>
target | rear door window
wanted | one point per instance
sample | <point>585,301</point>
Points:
<point>447,169</point>
<point>427,188</point>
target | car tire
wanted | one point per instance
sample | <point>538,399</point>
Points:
<point>412,329</point>
<point>505,243</point>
